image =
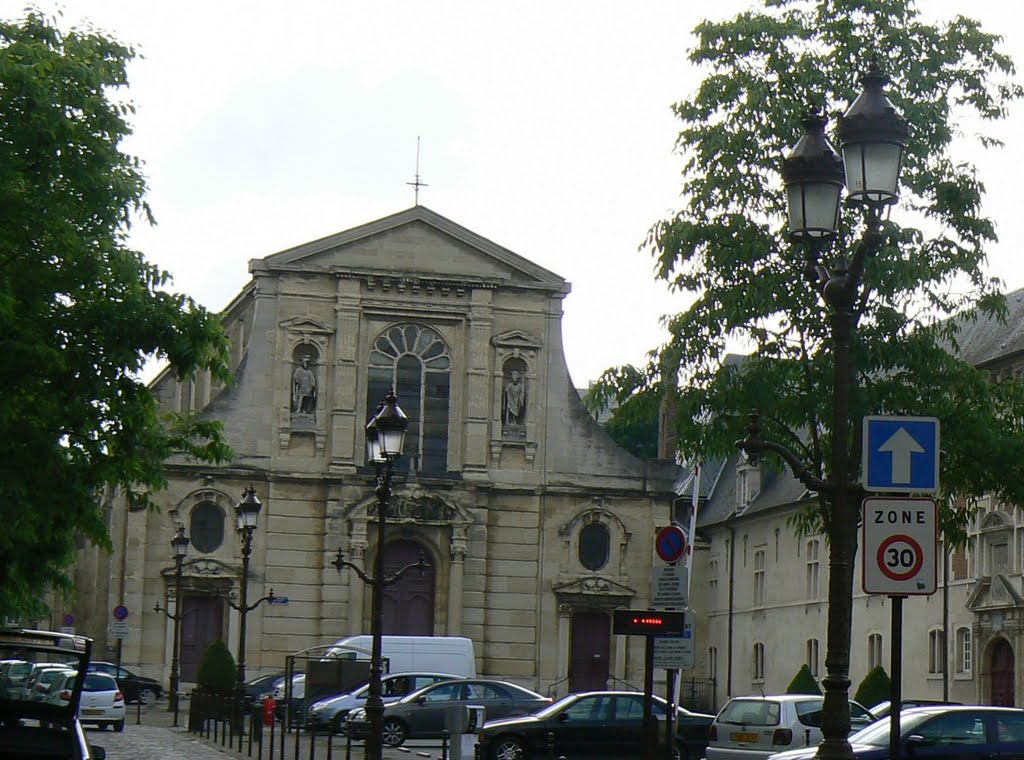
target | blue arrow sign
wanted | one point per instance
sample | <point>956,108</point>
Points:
<point>901,454</point>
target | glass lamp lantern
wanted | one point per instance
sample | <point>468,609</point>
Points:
<point>813,176</point>
<point>248,510</point>
<point>179,544</point>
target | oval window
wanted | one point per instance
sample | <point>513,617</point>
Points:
<point>207,527</point>
<point>594,543</point>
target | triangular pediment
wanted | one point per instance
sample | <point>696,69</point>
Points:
<point>517,339</point>
<point>416,244</point>
<point>306,325</point>
<point>995,592</point>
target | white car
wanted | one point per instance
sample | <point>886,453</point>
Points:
<point>752,728</point>
<point>102,702</point>
<point>46,678</point>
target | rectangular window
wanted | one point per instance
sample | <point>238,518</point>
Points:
<point>936,652</point>
<point>813,571</point>
<point>713,582</point>
<point>713,662</point>
<point>874,650</point>
<point>759,661</point>
<point>812,656</point>
<point>963,650</point>
<point>759,562</point>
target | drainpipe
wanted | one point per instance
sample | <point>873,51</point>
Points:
<point>732,589</point>
<point>945,621</point>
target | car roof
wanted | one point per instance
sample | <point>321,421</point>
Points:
<point>780,697</point>
<point>933,709</point>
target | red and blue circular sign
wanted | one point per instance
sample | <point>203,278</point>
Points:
<point>671,543</point>
<point>120,612</point>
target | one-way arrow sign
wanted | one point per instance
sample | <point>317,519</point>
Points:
<point>901,454</point>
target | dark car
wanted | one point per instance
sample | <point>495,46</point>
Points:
<point>421,715</point>
<point>135,688</point>
<point>595,724</point>
<point>260,688</point>
<point>42,729</point>
<point>947,732</point>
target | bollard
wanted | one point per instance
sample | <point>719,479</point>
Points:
<point>138,710</point>
<point>551,745</point>
<point>348,746</point>
<point>476,751</point>
<point>445,738</point>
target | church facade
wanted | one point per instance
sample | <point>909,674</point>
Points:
<point>534,524</point>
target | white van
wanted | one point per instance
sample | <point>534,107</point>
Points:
<point>407,654</point>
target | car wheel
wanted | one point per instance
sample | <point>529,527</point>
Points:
<point>147,696</point>
<point>394,732</point>
<point>119,726</point>
<point>508,748</point>
<point>338,724</point>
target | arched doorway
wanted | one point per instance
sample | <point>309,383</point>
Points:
<point>1002,674</point>
<point>589,651</point>
<point>202,623</point>
<point>409,603</point>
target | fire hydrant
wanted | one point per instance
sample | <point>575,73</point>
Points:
<point>269,711</point>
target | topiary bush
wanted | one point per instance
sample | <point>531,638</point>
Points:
<point>803,683</point>
<point>217,669</point>
<point>874,688</point>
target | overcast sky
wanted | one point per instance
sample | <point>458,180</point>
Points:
<point>545,126</point>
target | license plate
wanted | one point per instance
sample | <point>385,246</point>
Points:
<point>743,737</point>
<point>87,711</point>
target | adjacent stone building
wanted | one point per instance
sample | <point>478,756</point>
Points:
<point>534,523</point>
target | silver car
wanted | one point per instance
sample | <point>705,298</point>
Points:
<point>752,728</point>
<point>330,713</point>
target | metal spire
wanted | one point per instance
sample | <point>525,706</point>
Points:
<point>416,184</point>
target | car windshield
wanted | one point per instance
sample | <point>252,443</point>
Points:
<point>752,712</point>
<point>877,734</point>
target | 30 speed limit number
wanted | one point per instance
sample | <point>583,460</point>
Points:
<point>899,539</point>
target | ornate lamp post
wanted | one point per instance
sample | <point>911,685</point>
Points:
<point>872,137</point>
<point>179,549</point>
<point>247,512</point>
<point>385,435</point>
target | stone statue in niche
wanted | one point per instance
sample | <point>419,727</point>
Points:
<point>514,406</point>
<point>304,389</point>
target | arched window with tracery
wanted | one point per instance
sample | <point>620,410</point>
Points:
<point>415,362</point>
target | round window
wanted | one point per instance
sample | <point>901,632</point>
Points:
<point>594,543</point>
<point>207,527</point>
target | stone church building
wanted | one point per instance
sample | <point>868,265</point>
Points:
<point>534,523</point>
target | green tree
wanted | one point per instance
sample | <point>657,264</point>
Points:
<point>727,249</point>
<point>634,426</point>
<point>875,687</point>
<point>80,312</point>
<point>217,669</point>
<point>803,682</point>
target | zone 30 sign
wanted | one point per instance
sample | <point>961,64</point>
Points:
<point>900,546</point>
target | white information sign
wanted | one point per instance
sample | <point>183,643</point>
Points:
<point>899,540</point>
<point>119,629</point>
<point>677,652</point>
<point>668,587</point>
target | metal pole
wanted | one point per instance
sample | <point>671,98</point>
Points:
<point>374,702</point>
<point>670,723</point>
<point>649,722</point>
<point>896,684</point>
<point>243,611</point>
<point>175,663</point>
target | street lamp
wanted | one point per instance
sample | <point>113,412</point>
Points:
<point>872,137</point>
<point>247,512</point>
<point>179,549</point>
<point>385,436</point>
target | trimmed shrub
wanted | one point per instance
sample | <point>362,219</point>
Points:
<point>874,688</point>
<point>803,683</point>
<point>217,669</point>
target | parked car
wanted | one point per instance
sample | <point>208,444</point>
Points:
<point>41,729</point>
<point>102,701</point>
<point>260,688</point>
<point>331,712</point>
<point>881,710</point>
<point>23,690</point>
<point>135,688</point>
<point>946,732</point>
<point>44,680</point>
<point>421,715</point>
<point>297,699</point>
<point>752,728</point>
<point>596,724</point>
<point>12,677</point>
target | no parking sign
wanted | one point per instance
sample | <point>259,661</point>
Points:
<point>900,546</point>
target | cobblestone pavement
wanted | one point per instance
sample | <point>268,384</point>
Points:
<point>150,735</point>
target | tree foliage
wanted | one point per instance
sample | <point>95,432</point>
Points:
<point>876,687</point>
<point>216,669</point>
<point>80,312</point>
<point>803,682</point>
<point>727,247</point>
